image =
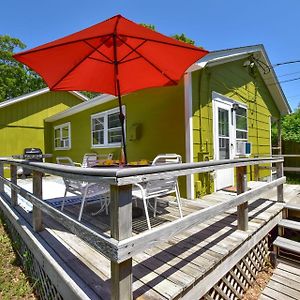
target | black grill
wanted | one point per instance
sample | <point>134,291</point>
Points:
<point>33,154</point>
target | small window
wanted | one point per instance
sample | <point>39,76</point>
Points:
<point>62,137</point>
<point>106,129</point>
<point>241,126</point>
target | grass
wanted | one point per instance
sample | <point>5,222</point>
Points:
<point>13,282</point>
<point>293,178</point>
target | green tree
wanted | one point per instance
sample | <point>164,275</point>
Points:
<point>183,38</point>
<point>291,127</point>
<point>15,78</point>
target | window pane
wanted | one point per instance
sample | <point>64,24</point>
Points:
<point>65,132</point>
<point>223,122</point>
<point>224,148</point>
<point>241,111</point>
<point>57,143</point>
<point>115,136</point>
<point>241,135</point>
<point>113,120</point>
<point>98,137</point>
<point>98,123</point>
<point>241,122</point>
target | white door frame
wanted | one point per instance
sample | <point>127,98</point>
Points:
<point>219,100</point>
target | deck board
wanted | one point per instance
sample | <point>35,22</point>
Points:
<point>173,267</point>
<point>284,283</point>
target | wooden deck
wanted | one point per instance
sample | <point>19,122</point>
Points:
<point>184,266</point>
<point>284,283</point>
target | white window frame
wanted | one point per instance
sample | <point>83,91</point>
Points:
<point>242,130</point>
<point>60,127</point>
<point>105,114</point>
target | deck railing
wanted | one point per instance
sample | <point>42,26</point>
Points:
<point>121,246</point>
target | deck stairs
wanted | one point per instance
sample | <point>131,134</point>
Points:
<point>283,245</point>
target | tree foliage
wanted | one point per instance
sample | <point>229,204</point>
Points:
<point>291,127</point>
<point>183,38</point>
<point>180,37</point>
<point>15,78</point>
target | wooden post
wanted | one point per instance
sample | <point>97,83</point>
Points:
<point>279,172</point>
<point>13,179</point>
<point>121,228</point>
<point>1,174</point>
<point>242,209</point>
<point>37,217</point>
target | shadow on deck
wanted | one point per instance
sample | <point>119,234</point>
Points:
<point>187,265</point>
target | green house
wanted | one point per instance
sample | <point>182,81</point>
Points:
<point>22,118</point>
<point>222,108</point>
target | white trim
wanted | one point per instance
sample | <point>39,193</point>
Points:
<point>81,107</point>
<point>189,153</point>
<point>68,124</point>
<point>223,56</point>
<point>105,114</point>
<point>37,93</point>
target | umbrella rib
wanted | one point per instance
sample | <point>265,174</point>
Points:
<point>62,44</point>
<point>100,60</point>
<point>152,64</point>
<point>96,49</point>
<point>122,60</point>
<point>167,43</point>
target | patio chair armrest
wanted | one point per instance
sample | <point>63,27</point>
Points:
<point>77,164</point>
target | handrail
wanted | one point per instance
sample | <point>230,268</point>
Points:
<point>125,176</point>
<point>121,246</point>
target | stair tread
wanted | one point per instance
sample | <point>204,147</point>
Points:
<point>292,206</point>
<point>287,244</point>
<point>290,224</point>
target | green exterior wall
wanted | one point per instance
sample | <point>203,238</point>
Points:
<point>247,87</point>
<point>22,123</point>
<point>159,113</point>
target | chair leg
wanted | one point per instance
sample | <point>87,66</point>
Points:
<point>82,204</point>
<point>155,207</point>
<point>63,203</point>
<point>178,199</point>
<point>146,213</point>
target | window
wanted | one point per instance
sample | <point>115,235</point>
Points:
<point>62,136</point>
<point>106,129</point>
<point>241,126</point>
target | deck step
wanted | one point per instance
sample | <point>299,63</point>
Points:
<point>292,206</point>
<point>287,244</point>
<point>289,224</point>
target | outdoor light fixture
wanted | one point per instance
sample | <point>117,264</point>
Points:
<point>235,106</point>
<point>248,63</point>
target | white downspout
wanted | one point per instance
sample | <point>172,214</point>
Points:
<point>188,105</point>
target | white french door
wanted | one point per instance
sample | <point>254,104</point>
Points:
<point>224,137</point>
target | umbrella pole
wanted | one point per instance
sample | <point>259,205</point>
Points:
<point>122,118</point>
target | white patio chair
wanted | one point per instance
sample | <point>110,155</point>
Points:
<point>160,187</point>
<point>92,159</point>
<point>83,189</point>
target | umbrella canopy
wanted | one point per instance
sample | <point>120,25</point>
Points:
<point>116,56</point>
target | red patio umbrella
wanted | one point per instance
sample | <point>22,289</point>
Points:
<point>116,56</point>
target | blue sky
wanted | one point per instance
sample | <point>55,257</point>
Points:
<point>214,24</point>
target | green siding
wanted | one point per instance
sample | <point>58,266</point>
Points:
<point>234,81</point>
<point>158,111</point>
<point>22,123</point>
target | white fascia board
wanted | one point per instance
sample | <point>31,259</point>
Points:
<point>79,95</point>
<point>23,97</point>
<point>81,107</point>
<point>37,93</point>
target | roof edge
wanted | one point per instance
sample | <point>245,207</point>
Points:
<point>37,93</point>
